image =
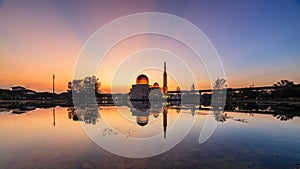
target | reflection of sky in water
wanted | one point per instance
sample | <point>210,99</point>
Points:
<point>30,140</point>
<point>121,120</point>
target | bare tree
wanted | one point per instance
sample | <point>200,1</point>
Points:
<point>220,83</point>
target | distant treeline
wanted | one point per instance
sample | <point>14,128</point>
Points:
<point>283,90</point>
<point>27,94</point>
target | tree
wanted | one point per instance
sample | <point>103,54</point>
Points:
<point>97,85</point>
<point>285,89</point>
<point>193,87</point>
<point>69,87</point>
<point>85,86</point>
<point>220,83</point>
<point>219,93</point>
<point>284,83</point>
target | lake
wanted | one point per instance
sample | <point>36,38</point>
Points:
<point>64,137</point>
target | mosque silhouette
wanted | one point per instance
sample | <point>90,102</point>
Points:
<point>142,91</point>
<point>146,100</point>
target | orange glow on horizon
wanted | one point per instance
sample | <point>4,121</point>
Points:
<point>41,39</point>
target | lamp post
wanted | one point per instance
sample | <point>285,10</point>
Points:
<point>53,86</point>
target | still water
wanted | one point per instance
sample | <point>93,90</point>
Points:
<point>57,138</point>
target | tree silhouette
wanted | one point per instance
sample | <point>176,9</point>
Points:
<point>89,115</point>
<point>193,87</point>
<point>219,93</point>
<point>220,83</point>
<point>285,89</point>
<point>284,83</point>
<point>69,87</point>
<point>85,86</point>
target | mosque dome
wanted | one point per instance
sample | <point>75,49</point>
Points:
<point>142,120</point>
<point>142,79</point>
<point>155,85</point>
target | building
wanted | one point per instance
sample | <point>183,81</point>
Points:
<point>143,91</point>
<point>20,92</point>
<point>155,93</point>
<point>18,88</point>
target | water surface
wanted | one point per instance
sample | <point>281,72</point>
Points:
<point>241,140</point>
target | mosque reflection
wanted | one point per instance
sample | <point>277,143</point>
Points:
<point>143,112</point>
<point>143,109</point>
<point>89,115</point>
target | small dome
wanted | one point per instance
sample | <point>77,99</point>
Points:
<point>155,115</point>
<point>142,79</point>
<point>142,120</point>
<point>155,84</point>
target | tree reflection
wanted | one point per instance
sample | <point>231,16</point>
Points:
<point>72,114</point>
<point>285,113</point>
<point>220,116</point>
<point>108,131</point>
<point>143,110</point>
<point>89,115</point>
<point>281,111</point>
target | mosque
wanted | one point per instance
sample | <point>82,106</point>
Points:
<point>146,100</point>
<point>143,91</point>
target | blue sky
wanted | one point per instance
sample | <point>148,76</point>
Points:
<point>258,41</point>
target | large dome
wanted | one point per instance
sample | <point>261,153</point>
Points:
<point>142,79</point>
<point>142,120</point>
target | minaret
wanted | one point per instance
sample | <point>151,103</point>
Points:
<point>53,93</point>
<point>165,86</point>
<point>53,86</point>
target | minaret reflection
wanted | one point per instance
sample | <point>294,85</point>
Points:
<point>53,113</point>
<point>165,120</point>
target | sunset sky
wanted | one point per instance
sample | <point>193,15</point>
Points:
<point>258,41</point>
